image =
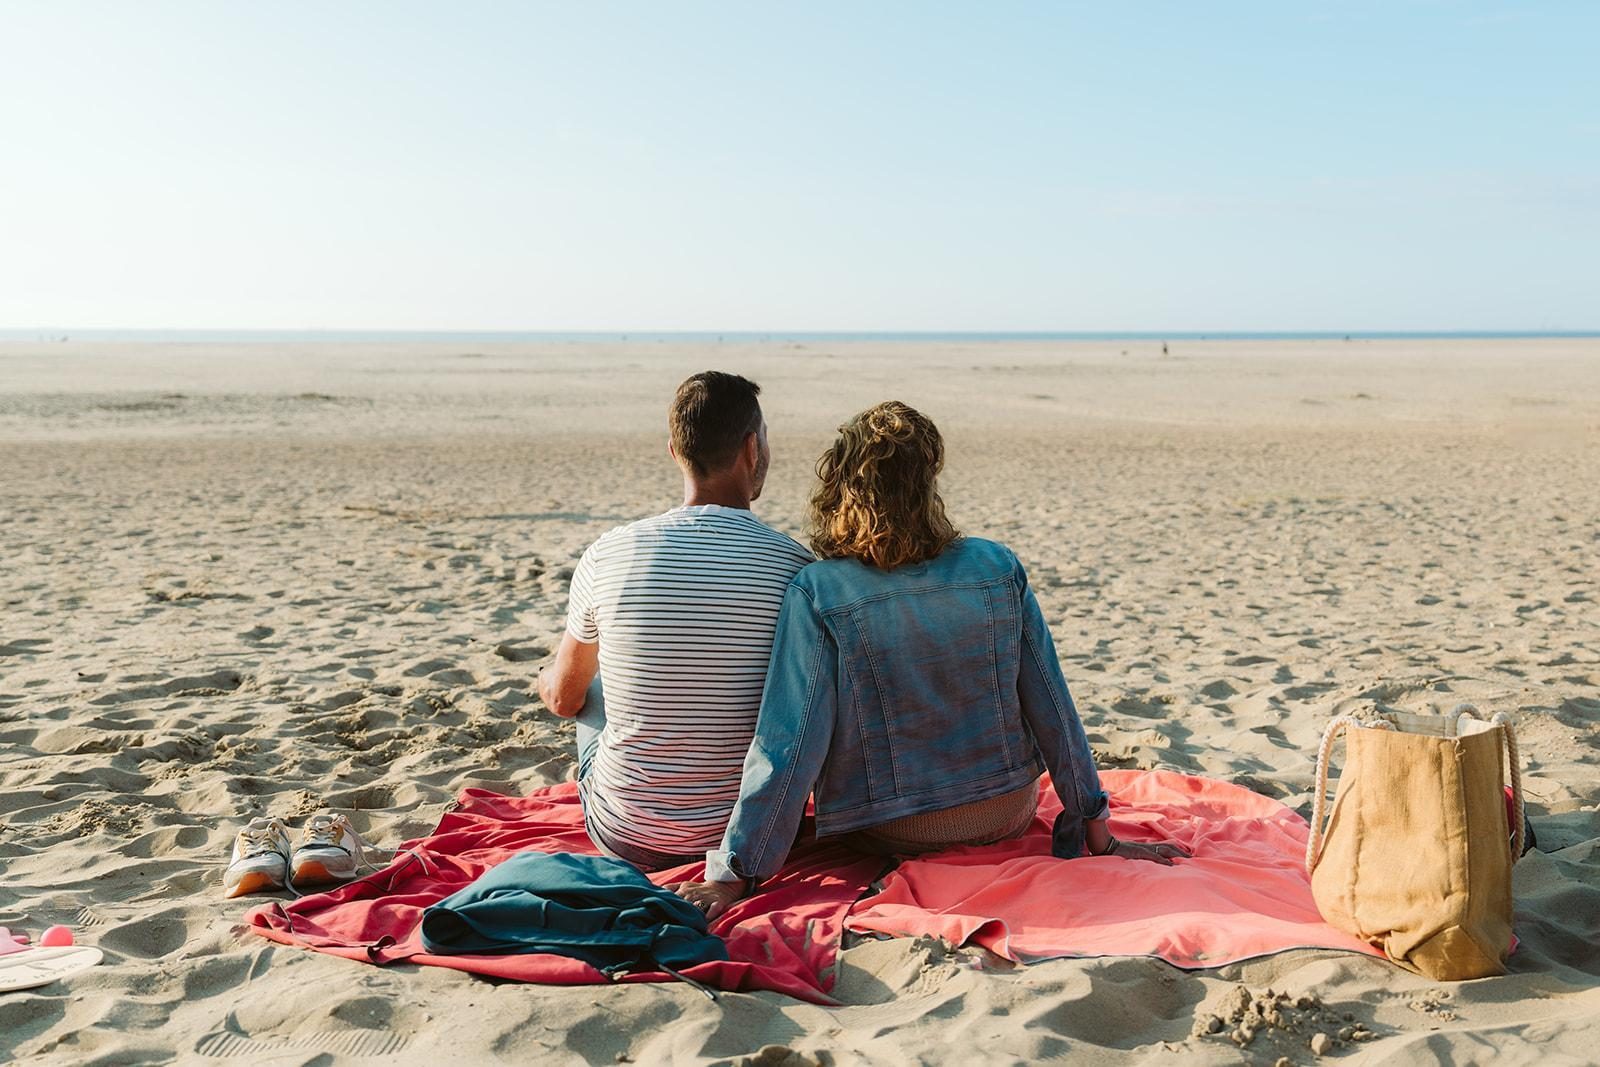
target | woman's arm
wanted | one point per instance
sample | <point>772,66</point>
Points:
<point>1052,719</point>
<point>793,732</point>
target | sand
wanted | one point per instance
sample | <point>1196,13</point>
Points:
<point>268,579</point>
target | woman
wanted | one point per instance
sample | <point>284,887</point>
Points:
<point>913,687</point>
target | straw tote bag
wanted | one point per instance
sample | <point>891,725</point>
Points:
<point>1416,856</point>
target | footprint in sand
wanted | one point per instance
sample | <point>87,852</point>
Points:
<point>441,671</point>
<point>224,1044</point>
<point>213,684</point>
<point>154,935</point>
<point>520,653</point>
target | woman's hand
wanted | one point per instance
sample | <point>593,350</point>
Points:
<point>713,898</point>
<point>1155,852</point>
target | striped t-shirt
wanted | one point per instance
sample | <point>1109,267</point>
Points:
<point>684,606</point>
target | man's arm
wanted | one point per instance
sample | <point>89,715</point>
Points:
<point>563,684</point>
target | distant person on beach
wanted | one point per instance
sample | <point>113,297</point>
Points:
<point>676,614</point>
<point>914,690</point>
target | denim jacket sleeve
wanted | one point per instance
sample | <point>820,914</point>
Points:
<point>793,731</point>
<point>1052,719</point>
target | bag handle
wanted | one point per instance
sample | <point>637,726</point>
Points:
<point>1320,800</point>
<point>1340,724</point>
<point>1514,758</point>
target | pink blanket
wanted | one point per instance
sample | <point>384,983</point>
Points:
<point>784,939</point>
<point>1244,894</point>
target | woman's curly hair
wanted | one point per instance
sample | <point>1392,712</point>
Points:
<point>878,500</point>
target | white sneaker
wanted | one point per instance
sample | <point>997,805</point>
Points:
<point>260,858</point>
<point>329,852</point>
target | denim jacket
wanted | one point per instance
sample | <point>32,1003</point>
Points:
<point>894,693</point>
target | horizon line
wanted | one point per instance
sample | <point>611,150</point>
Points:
<point>246,334</point>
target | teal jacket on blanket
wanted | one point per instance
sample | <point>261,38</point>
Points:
<point>894,693</point>
<point>592,908</point>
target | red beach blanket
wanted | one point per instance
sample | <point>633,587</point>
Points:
<point>1244,894</point>
<point>784,939</point>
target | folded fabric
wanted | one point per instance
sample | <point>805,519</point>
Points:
<point>592,908</point>
<point>1244,894</point>
<point>785,938</point>
<point>13,943</point>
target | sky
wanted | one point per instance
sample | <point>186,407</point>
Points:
<point>669,165</point>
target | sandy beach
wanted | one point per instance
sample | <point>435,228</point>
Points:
<point>271,579</point>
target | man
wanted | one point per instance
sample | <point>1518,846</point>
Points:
<point>677,613</point>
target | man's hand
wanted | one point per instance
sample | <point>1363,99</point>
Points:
<point>563,684</point>
<point>713,898</point>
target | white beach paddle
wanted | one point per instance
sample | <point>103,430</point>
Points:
<point>41,966</point>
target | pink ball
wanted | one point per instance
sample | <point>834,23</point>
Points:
<point>56,937</point>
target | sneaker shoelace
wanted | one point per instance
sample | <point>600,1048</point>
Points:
<point>267,840</point>
<point>328,831</point>
<point>324,831</point>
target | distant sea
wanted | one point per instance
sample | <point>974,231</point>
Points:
<point>741,336</point>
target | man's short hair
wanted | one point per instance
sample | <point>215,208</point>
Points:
<point>710,416</point>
